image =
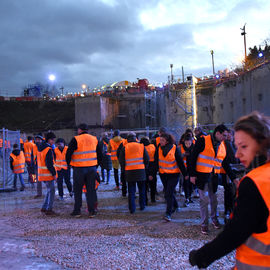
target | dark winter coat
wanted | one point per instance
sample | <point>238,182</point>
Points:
<point>106,162</point>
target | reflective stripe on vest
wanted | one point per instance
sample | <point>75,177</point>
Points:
<point>85,155</point>
<point>207,160</point>
<point>43,173</point>
<point>255,252</point>
<point>60,160</point>
<point>183,154</point>
<point>114,146</point>
<point>151,149</point>
<point>134,156</point>
<point>18,163</point>
<point>167,164</point>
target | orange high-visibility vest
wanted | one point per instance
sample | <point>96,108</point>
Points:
<point>28,147</point>
<point>1,142</point>
<point>124,142</point>
<point>151,149</point>
<point>255,252</point>
<point>168,164</point>
<point>207,160</point>
<point>85,155</point>
<point>21,141</point>
<point>114,147</point>
<point>43,173</point>
<point>60,159</point>
<point>157,141</point>
<point>18,163</point>
<point>34,152</point>
<point>134,156</point>
<point>183,154</point>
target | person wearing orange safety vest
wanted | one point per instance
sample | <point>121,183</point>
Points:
<point>134,159</point>
<point>17,164</point>
<point>170,164</point>
<point>106,163</point>
<point>46,172</point>
<point>248,230</point>
<point>63,170</point>
<point>152,185</point>
<point>28,148</point>
<point>84,155</point>
<point>38,139</point>
<point>161,131</point>
<point>186,149</point>
<point>208,157</point>
<point>114,143</point>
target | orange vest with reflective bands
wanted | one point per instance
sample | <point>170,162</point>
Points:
<point>207,160</point>
<point>168,164</point>
<point>18,163</point>
<point>183,154</point>
<point>28,147</point>
<point>151,149</point>
<point>43,173</point>
<point>157,141</point>
<point>114,147</point>
<point>1,142</point>
<point>134,156</point>
<point>21,141</point>
<point>86,153</point>
<point>60,159</point>
<point>124,142</point>
<point>255,252</point>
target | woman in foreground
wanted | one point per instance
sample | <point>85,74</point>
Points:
<point>248,230</point>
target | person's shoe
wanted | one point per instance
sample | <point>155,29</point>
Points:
<point>196,194</point>
<point>92,214</point>
<point>76,214</point>
<point>107,183</point>
<point>204,229</point>
<point>117,188</point>
<point>216,224</point>
<point>37,196</point>
<point>43,210</point>
<point>186,203</point>
<point>182,193</point>
<point>51,213</point>
<point>142,208</point>
<point>22,189</point>
<point>167,217</point>
<point>71,194</point>
<point>61,198</point>
<point>190,200</point>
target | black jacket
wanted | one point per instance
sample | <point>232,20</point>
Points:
<point>49,156</point>
<point>134,175</point>
<point>203,178</point>
<point>178,157</point>
<point>187,154</point>
<point>73,146</point>
<point>106,162</point>
<point>15,152</point>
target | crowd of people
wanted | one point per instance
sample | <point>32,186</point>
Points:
<point>198,163</point>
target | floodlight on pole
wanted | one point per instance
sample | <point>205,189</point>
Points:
<point>52,77</point>
<point>243,33</point>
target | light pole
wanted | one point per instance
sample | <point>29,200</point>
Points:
<point>213,65</point>
<point>244,34</point>
<point>171,66</point>
<point>52,79</point>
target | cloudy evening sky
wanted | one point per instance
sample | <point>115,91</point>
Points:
<point>96,42</point>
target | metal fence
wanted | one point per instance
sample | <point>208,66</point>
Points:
<point>7,139</point>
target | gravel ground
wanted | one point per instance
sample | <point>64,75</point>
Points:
<point>114,239</point>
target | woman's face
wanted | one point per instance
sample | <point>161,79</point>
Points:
<point>247,147</point>
<point>163,141</point>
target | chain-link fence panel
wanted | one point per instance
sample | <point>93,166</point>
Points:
<point>7,139</point>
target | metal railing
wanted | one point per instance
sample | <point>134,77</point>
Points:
<point>7,139</point>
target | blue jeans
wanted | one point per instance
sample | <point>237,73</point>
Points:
<point>84,176</point>
<point>49,198</point>
<point>103,175</point>
<point>15,180</point>
<point>170,182</point>
<point>131,195</point>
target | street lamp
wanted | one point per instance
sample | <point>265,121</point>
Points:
<point>52,77</point>
<point>213,65</point>
<point>244,34</point>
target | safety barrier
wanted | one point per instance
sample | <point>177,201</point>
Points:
<point>7,139</point>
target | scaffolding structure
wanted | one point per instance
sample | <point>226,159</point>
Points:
<point>150,109</point>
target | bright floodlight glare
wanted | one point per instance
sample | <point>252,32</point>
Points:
<point>51,77</point>
<point>217,76</point>
<point>260,54</point>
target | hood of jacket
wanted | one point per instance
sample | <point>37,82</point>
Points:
<point>43,145</point>
<point>117,139</point>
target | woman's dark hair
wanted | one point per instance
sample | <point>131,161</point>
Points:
<point>188,137</point>
<point>257,126</point>
<point>169,138</point>
<point>145,141</point>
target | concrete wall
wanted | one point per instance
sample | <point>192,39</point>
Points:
<point>243,95</point>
